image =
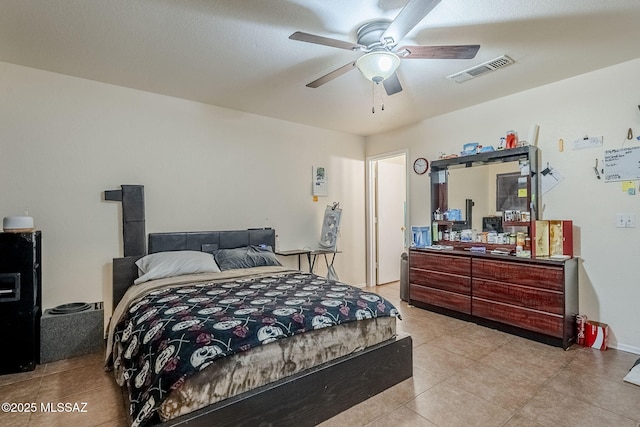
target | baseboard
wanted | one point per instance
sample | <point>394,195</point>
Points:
<point>627,348</point>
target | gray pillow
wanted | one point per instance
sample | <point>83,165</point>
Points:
<point>246,257</point>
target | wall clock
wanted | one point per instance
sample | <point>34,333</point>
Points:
<point>420,166</point>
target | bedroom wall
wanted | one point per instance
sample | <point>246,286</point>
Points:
<point>64,141</point>
<point>601,103</point>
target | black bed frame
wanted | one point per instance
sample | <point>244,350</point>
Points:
<point>304,399</point>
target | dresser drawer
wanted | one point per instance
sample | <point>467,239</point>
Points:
<point>523,296</point>
<point>440,262</point>
<point>444,281</point>
<point>440,298</point>
<point>549,324</point>
<point>537,276</point>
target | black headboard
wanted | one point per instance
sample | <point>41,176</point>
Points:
<point>125,270</point>
<point>211,240</point>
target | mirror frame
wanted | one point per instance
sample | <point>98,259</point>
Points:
<point>439,176</point>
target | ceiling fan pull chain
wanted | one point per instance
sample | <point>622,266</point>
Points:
<point>377,95</point>
<point>381,96</point>
<point>373,98</point>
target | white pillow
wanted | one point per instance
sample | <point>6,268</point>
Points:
<point>174,263</point>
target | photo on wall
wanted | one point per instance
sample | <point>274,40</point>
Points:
<point>320,184</point>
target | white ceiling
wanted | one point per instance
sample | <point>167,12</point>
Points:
<point>237,54</point>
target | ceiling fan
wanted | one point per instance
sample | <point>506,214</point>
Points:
<point>379,41</point>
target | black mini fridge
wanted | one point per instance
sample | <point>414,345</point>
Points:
<point>20,301</point>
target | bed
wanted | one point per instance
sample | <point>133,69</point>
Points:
<point>247,345</point>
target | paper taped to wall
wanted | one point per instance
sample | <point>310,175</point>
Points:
<point>587,142</point>
<point>622,164</point>
<point>550,177</point>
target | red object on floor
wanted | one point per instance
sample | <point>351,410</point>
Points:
<point>596,335</point>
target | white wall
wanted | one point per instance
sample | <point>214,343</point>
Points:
<point>601,103</point>
<point>64,141</point>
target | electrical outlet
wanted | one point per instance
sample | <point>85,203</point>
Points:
<point>625,220</point>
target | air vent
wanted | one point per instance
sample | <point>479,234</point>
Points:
<point>478,70</point>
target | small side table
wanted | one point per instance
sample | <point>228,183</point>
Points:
<point>313,256</point>
<point>297,252</point>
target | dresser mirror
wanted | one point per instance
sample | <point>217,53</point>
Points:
<point>486,184</point>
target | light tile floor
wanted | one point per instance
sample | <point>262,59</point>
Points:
<point>463,375</point>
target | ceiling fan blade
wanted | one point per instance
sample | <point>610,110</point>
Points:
<point>438,52</point>
<point>332,75</point>
<point>325,41</point>
<point>392,84</point>
<point>412,13</point>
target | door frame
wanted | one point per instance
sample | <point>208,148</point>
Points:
<point>370,209</point>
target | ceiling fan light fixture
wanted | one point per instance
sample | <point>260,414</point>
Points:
<point>378,65</point>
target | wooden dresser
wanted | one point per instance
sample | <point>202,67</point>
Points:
<point>536,298</point>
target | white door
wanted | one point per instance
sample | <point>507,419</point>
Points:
<point>390,211</point>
